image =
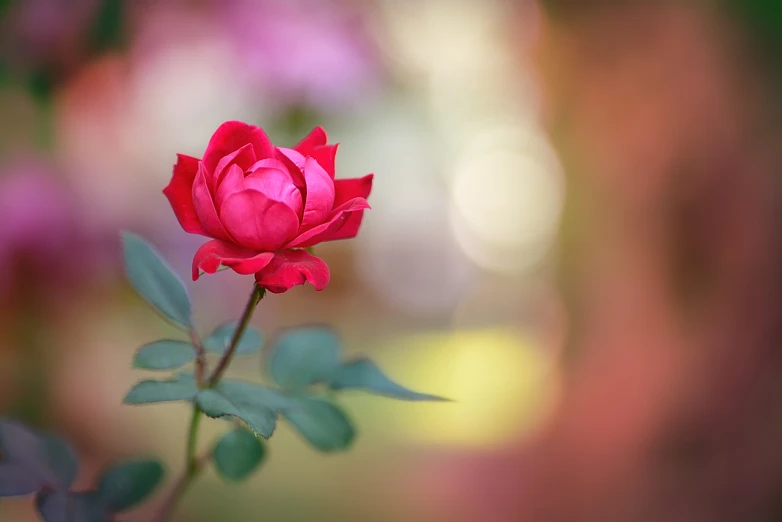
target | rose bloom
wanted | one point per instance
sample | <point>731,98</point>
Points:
<point>265,205</point>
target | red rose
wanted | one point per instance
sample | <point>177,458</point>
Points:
<point>264,205</point>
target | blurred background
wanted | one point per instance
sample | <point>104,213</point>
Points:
<point>575,235</point>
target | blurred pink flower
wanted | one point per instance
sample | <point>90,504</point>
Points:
<point>316,53</point>
<point>45,33</point>
<point>42,237</point>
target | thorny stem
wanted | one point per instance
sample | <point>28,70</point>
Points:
<point>193,463</point>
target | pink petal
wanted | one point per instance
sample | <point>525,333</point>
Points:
<point>180,194</point>
<point>315,138</point>
<point>204,206</point>
<point>294,156</point>
<point>347,189</point>
<point>232,182</point>
<point>326,156</point>
<point>257,222</point>
<point>277,185</point>
<point>214,253</point>
<point>328,231</point>
<point>320,194</point>
<point>244,157</point>
<point>349,227</point>
<point>291,166</point>
<point>293,267</point>
<point>231,136</point>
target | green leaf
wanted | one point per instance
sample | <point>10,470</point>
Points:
<point>237,454</point>
<point>18,442</point>
<point>61,460</point>
<point>304,356</point>
<point>182,388</point>
<point>219,269</point>
<point>65,506</point>
<point>164,355</point>
<point>18,479</point>
<point>124,485</point>
<point>324,425</point>
<point>363,374</point>
<point>219,340</point>
<point>254,405</point>
<point>47,458</point>
<point>152,278</point>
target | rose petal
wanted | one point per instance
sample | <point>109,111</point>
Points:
<point>277,185</point>
<point>231,136</point>
<point>326,156</point>
<point>257,222</point>
<point>347,189</point>
<point>204,206</point>
<point>292,168</point>
<point>320,194</point>
<point>291,156</point>
<point>327,231</point>
<point>214,253</point>
<point>244,157</point>
<point>293,267</point>
<point>349,227</point>
<point>315,138</point>
<point>233,182</point>
<point>180,194</point>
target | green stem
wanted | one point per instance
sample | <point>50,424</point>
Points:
<point>222,366</point>
<point>193,466</point>
<point>193,463</point>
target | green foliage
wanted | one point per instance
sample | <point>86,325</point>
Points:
<point>61,460</point>
<point>299,359</point>
<point>124,485</point>
<point>18,479</point>
<point>67,506</point>
<point>303,356</point>
<point>181,388</point>
<point>237,454</point>
<point>30,459</point>
<point>364,375</point>
<point>321,423</point>
<point>152,278</point>
<point>254,405</point>
<point>165,354</point>
<point>46,466</point>
<point>219,340</point>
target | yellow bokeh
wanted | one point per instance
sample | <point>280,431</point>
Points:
<point>501,383</point>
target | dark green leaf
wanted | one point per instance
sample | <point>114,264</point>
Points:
<point>237,454</point>
<point>124,485</point>
<point>164,355</point>
<point>324,425</point>
<point>18,442</point>
<point>182,388</point>
<point>64,506</point>
<point>255,405</point>
<point>363,374</point>
<point>152,278</point>
<point>18,479</point>
<point>219,340</point>
<point>47,458</point>
<point>61,460</point>
<point>304,356</point>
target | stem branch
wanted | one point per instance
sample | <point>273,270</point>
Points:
<point>222,366</point>
<point>193,466</point>
<point>193,463</point>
